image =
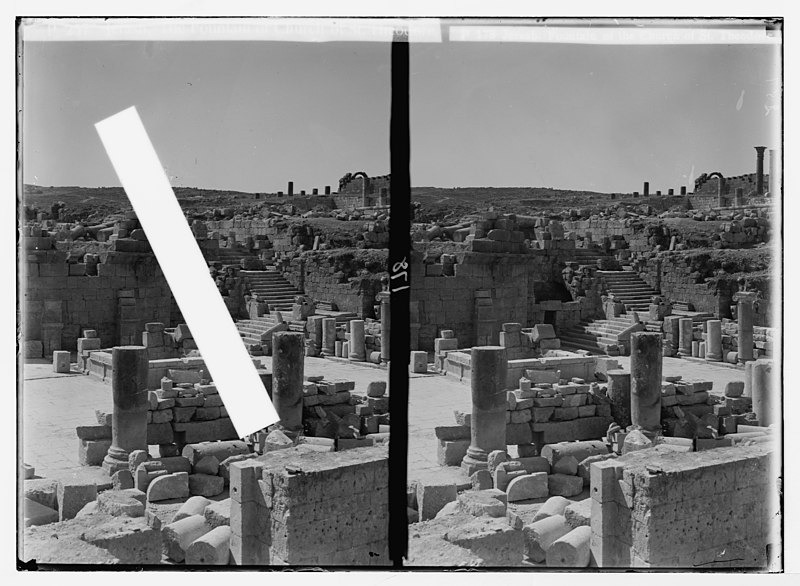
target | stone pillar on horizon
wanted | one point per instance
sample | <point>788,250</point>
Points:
<point>760,169</point>
<point>744,318</point>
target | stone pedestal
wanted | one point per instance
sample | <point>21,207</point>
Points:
<point>129,417</point>
<point>745,323</point>
<point>748,379</point>
<point>714,340</point>
<point>685,336</point>
<point>489,366</point>
<point>385,326</point>
<point>619,391</point>
<point>329,336</point>
<point>287,379</point>
<point>766,399</point>
<point>358,350</point>
<point>646,361</point>
<point>61,361</point>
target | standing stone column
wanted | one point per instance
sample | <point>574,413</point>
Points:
<point>745,322</point>
<point>329,336</point>
<point>748,379</point>
<point>714,340</point>
<point>129,419</point>
<point>766,400</point>
<point>386,317</point>
<point>646,361</point>
<point>760,169</point>
<point>619,391</point>
<point>357,349</point>
<point>287,379</point>
<point>489,366</point>
<point>685,339</point>
<point>646,189</point>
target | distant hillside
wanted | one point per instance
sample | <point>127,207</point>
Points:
<point>438,203</point>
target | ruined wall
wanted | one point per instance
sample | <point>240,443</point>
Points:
<point>309,508</point>
<point>349,278</point>
<point>60,300</point>
<point>487,290</point>
<point>679,278</point>
<point>709,509</point>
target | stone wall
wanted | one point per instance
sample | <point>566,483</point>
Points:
<point>663,509</point>
<point>350,279</point>
<point>487,290</point>
<point>676,277</point>
<point>60,299</point>
<point>302,507</point>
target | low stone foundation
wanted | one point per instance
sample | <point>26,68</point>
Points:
<point>302,507</point>
<point>663,509</point>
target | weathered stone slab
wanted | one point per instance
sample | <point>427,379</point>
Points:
<point>528,486</point>
<point>168,486</point>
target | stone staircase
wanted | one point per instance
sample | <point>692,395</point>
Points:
<point>599,335</point>
<point>272,288</point>
<point>629,288</point>
<point>257,332</point>
<point>590,256</point>
<point>233,256</point>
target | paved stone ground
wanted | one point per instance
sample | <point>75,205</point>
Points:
<point>54,404</point>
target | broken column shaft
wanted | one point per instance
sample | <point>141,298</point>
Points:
<point>287,379</point>
<point>488,423</point>
<point>329,336</point>
<point>129,419</point>
<point>714,340</point>
<point>766,401</point>
<point>646,362</point>
<point>685,336</point>
<point>619,392</point>
<point>358,350</point>
<point>744,318</point>
<point>760,169</point>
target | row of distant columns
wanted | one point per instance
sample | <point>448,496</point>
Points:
<point>646,190</point>
<point>315,191</point>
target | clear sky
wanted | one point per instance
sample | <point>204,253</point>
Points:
<point>246,116</point>
<point>251,116</point>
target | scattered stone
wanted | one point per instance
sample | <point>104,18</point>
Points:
<point>571,550</point>
<point>566,465</point>
<point>117,503</point>
<point>206,485</point>
<point>564,485</point>
<point>481,480</point>
<point>432,496</point>
<point>37,514</point>
<point>73,495</point>
<point>578,513</point>
<point>206,465</point>
<point>43,491</point>
<point>211,549</point>
<point>178,536</point>
<point>195,505</point>
<point>128,539</point>
<point>276,440</point>
<point>555,505</point>
<point>218,513</point>
<point>528,486</point>
<point>496,458</point>
<point>734,389</point>
<point>135,458</point>
<point>168,486</point>
<point>540,535</point>
<point>478,503</point>
<point>635,440</point>
<point>376,388</point>
<point>122,479</point>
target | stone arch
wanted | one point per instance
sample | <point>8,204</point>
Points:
<point>364,186</point>
<point>720,187</point>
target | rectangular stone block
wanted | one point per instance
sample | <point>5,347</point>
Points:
<point>92,452</point>
<point>61,361</point>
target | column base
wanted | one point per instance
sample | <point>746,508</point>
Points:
<point>116,459</point>
<point>713,357</point>
<point>357,358</point>
<point>476,459</point>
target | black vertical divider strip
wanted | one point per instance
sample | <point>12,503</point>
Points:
<point>399,280</point>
